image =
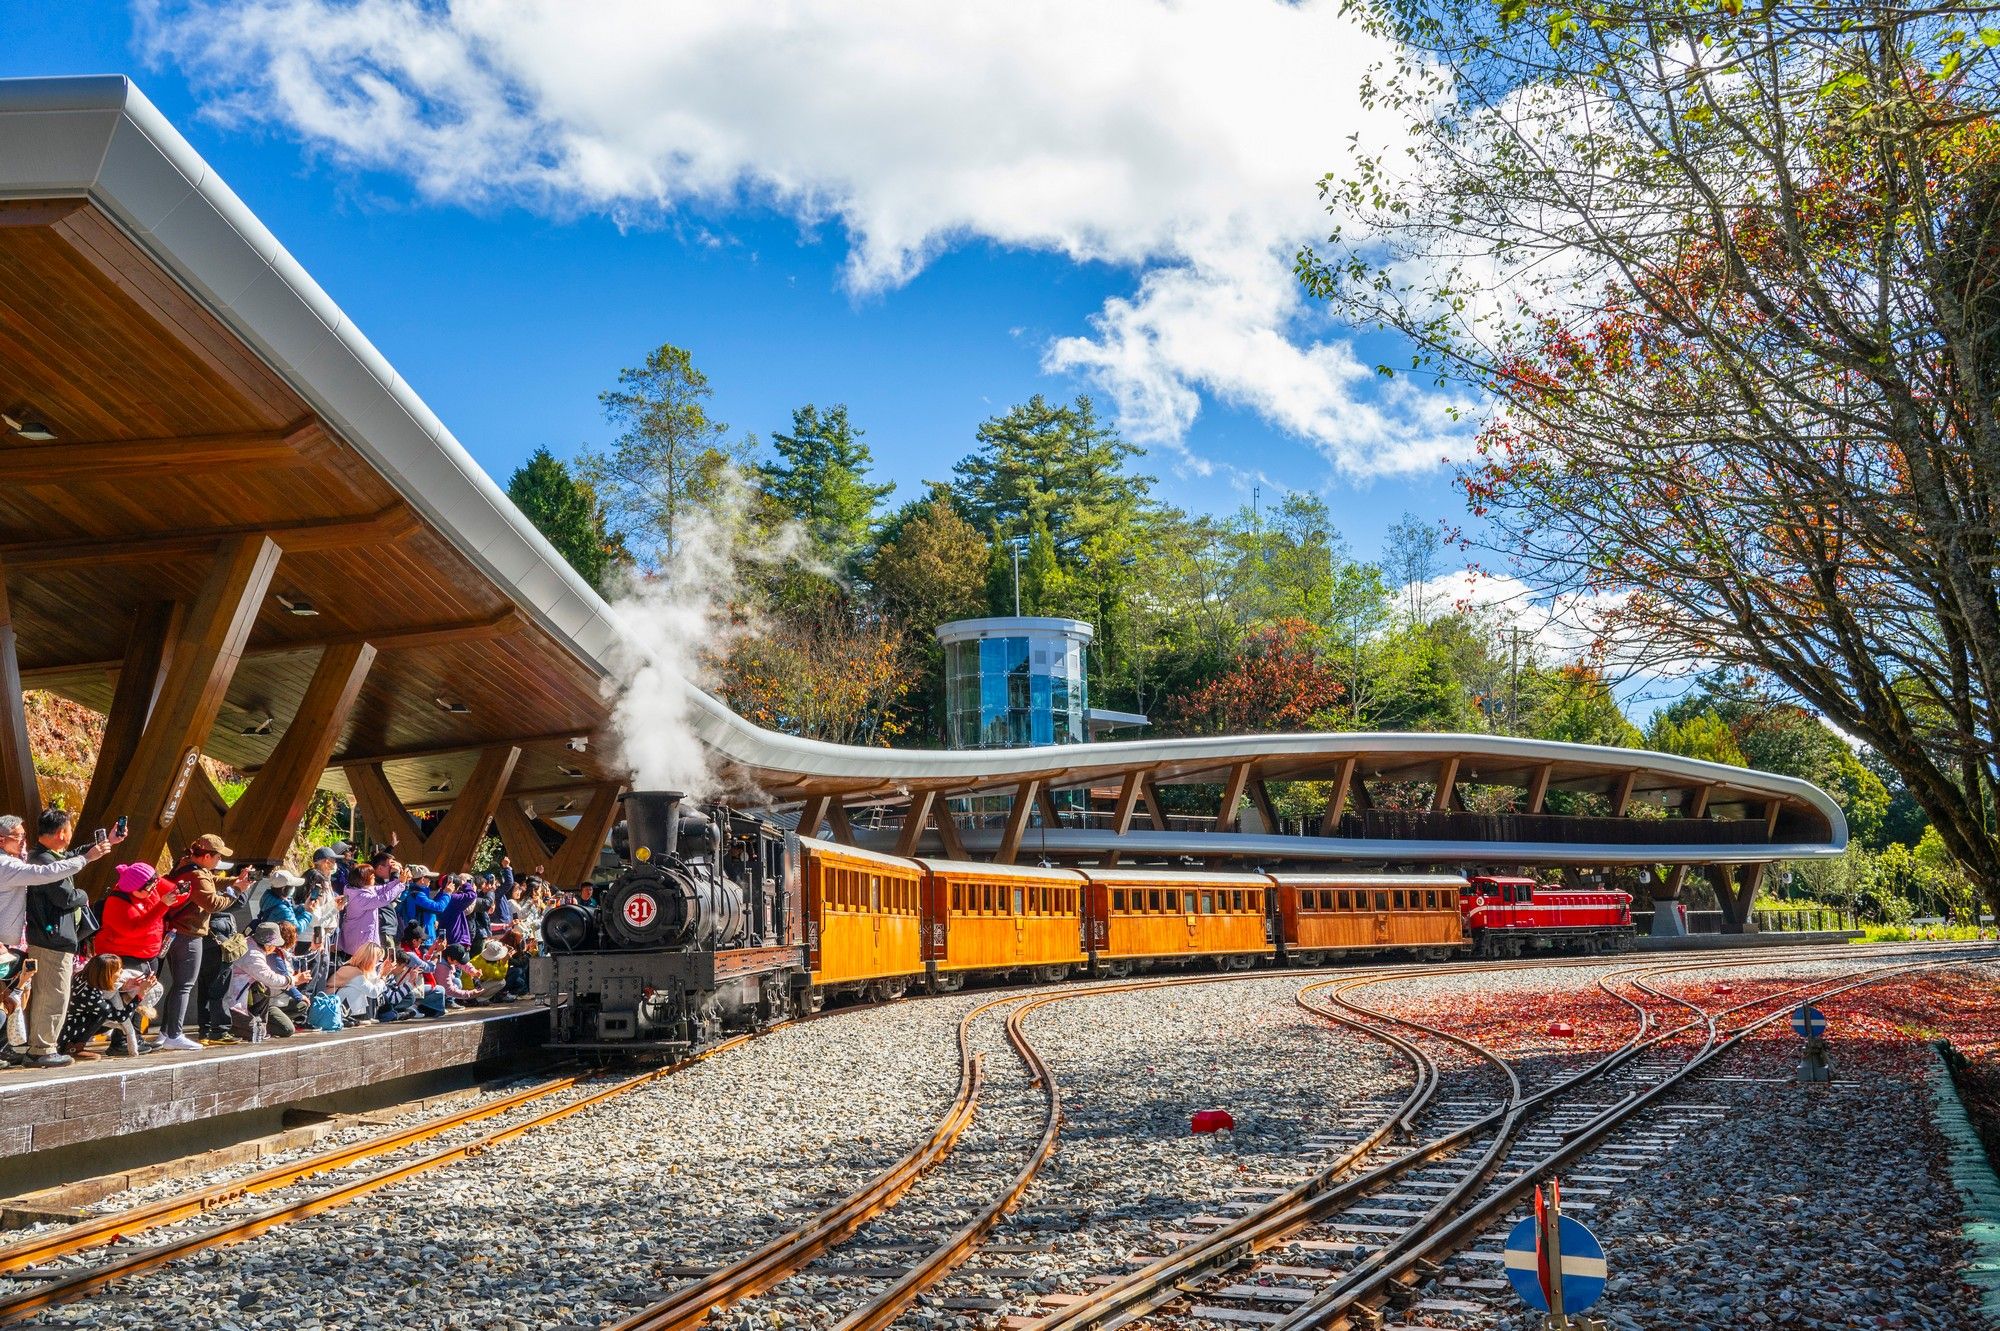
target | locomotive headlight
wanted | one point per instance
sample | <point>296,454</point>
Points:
<point>643,854</point>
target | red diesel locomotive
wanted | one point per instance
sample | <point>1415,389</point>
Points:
<point>1505,917</point>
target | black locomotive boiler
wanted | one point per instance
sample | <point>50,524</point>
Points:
<point>699,936</point>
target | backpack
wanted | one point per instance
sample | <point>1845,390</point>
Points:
<point>223,933</point>
<point>326,1013</point>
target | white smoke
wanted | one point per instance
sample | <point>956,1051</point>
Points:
<point>677,626</point>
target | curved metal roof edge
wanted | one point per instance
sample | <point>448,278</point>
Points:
<point>100,137</point>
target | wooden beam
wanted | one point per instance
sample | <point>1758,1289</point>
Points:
<point>37,212</point>
<point>525,847</point>
<point>1447,782</point>
<point>843,830</point>
<point>1045,800</point>
<point>20,793</point>
<point>148,652</point>
<point>303,537</point>
<point>1154,810</point>
<point>1538,787</point>
<point>64,462</point>
<point>203,810</point>
<point>263,822</point>
<point>1772,808</point>
<point>812,813</point>
<point>1017,821</point>
<point>1336,800</point>
<point>1232,796</point>
<point>1622,800</point>
<point>913,822</point>
<point>947,826</point>
<point>451,844</point>
<point>485,629</point>
<point>1696,805</point>
<point>584,845</point>
<point>441,750</point>
<point>388,821</point>
<point>206,651</point>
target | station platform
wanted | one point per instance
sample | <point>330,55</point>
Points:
<point>1719,942</point>
<point>120,1112</point>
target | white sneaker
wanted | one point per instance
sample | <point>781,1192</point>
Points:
<point>180,1042</point>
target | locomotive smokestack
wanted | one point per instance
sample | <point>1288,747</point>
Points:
<point>652,823</point>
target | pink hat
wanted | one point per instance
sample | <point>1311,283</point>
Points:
<point>135,877</point>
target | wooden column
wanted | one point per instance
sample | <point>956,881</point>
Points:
<point>1736,893</point>
<point>202,810</point>
<point>1017,822</point>
<point>457,836</point>
<point>1538,787</point>
<point>1447,782</point>
<point>1121,813</point>
<point>947,826</point>
<point>1336,800</point>
<point>1045,800</point>
<point>1232,796</point>
<point>585,843</point>
<point>266,818</point>
<point>524,844</point>
<point>918,813</point>
<point>1772,808</point>
<point>1697,802</point>
<point>212,635</point>
<point>1260,796</point>
<point>389,823</point>
<point>1621,799</point>
<point>1154,809</point>
<point>843,829</point>
<point>148,651</point>
<point>20,793</point>
<point>812,813</point>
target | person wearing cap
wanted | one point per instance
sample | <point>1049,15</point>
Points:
<point>424,903</point>
<point>282,902</point>
<point>195,876</point>
<point>260,986</point>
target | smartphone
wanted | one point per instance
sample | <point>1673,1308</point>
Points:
<point>123,825</point>
<point>100,837</point>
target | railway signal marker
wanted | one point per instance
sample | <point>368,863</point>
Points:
<point>1810,1025</point>
<point>1809,1022</point>
<point>1555,1264</point>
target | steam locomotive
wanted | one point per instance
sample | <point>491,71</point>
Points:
<point>723,922</point>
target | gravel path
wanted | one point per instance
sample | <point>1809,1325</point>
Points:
<point>603,1212</point>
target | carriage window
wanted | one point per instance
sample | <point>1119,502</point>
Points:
<point>958,896</point>
<point>1381,901</point>
<point>1396,898</point>
<point>1118,898</point>
<point>1431,899</point>
<point>1017,901</point>
<point>1187,903</point>
<point>1208,903</point>
<point>1236,898</point>
<point>1153,899</point>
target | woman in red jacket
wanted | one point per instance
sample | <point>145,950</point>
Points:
<point>134,915</point>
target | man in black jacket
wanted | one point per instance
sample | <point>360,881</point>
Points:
<point>57,912</point>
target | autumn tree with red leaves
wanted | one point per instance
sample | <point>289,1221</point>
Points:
<point>1279,680</point>
<point>1729,279</point>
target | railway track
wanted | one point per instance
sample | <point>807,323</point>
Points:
<point>1361,1234</point>
<point>55,1267</point>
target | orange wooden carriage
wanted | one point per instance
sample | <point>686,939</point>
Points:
<point>1001,918</point>
<point>864,922</point>
<point>1141,918</point>
<point>1321,916</point>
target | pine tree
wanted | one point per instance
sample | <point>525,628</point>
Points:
<point>821,478</point>
<point>1055,466</point>
<point>565,509</point>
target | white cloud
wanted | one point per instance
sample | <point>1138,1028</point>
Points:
<point>1556,629</point>
<point>1180,139</point>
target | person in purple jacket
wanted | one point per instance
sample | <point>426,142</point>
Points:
<point>361,907</point>
<point>452,924</point>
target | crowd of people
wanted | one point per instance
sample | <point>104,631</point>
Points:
<point>217,953</point>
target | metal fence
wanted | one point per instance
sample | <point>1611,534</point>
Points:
<point>1766,921</point>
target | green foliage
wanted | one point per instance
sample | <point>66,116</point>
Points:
<point>820,478</point>
<point>1054,467</point>
<point>564,508</point>
<point>1703,735</point>
<point>487,856</point>
<point>669,458</point>
<point>1573,703</point>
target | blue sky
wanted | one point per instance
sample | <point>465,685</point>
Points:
<point>509,297</point>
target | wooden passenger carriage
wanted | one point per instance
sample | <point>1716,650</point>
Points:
<point>1000,918</point>
<point>1141,918</point>
<point>863,919</point>
<point>1323,915</point>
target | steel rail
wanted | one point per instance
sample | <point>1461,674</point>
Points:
<point>117,1226</point>
<point>1429,1240</point>
<point>14,1307</point>
<point>1166,1280</point>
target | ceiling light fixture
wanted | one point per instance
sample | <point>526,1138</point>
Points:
<point>565,806</point>
<point>450,705</point>
<point>570,771</point>
<point>297,605</point>
<point>440,787</point>
<point>260,727</point>
<point>25,425</point>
